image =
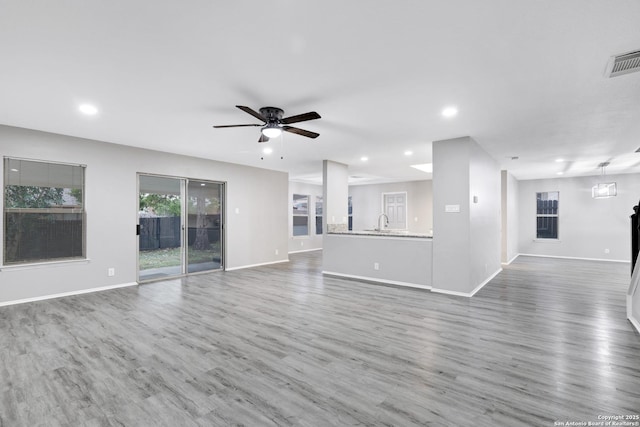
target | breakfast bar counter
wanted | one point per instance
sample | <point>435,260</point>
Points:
<point>392,257</point>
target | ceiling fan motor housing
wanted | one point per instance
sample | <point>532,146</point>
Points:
<point>272,114</point>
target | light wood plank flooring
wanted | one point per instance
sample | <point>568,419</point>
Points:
<point>545,341</point>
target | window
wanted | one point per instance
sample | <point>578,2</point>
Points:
<point>44,215</point>
<point>350,208</point>
<point>318,214</point>
<point>547,215</point>
<point>300,215</point>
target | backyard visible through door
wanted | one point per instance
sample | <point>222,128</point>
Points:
<point>179,226</point>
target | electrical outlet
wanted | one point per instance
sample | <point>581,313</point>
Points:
<point>111,272</point>
<point>606,251</point>
<point>301,243</point>
<point>376,266</point>
<point>276,252</point>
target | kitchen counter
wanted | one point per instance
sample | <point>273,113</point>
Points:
<point>384,233</point>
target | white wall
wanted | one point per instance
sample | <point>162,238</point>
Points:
<point>633,298</point>
<point>509,227</point>
<point>367,204</point>
<point>313,240</point>
<point>586,226</point>
<point>252,235</point>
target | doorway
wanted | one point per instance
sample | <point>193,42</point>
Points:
<point>180,226</point>
<point>395,206</point>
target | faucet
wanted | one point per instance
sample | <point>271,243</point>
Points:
<point>382,225</point>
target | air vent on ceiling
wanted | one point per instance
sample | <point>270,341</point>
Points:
<point>623,64</point>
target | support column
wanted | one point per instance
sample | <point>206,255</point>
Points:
<point>335,193</point>
<point>466,217</point>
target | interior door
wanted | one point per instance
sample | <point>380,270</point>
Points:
<point>204,231</point>
<point>160,227</point>
<point>395,206</point>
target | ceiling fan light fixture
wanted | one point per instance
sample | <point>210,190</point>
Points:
<point>271,131</point>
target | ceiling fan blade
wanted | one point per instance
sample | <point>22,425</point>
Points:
<point>302,132</point>
<point>263,138</point>
<point>234,126</point>
<point>312,115</point>
<point>252,112</point>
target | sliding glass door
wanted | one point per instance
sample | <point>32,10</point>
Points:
<point>179,226</point>
<point>204,248</point>
<point>160,250</point>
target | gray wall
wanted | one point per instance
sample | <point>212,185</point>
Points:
<point>253,233</point>
<point>586,226</point>
<point>484,183</point>
<point>401,260</point>
<point>451,231</point>
<point>367,204</point>
<point>466,244</point>
<point>509,226</point>
<point>313,241</point>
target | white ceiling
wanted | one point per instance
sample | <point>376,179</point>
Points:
<point>527,77</point>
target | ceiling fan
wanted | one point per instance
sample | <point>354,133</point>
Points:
<point>273,122</point>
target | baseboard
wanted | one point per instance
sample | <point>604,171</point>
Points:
<point>511,260</point>
<point>376,280</point>
<point>305,250</point>
<point>68,294</point>
<point>635,323</point>
<point>578,258</point>
<point>454,293</point>
<point>242,267</point>
<point>467,294</point>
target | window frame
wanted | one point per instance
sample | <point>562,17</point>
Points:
<point>555,215</point>
<point>350,213</point>
<point>60,210</point>
<point>294,198</point>
<point>319,206</point>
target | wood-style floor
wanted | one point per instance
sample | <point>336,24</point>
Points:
<point>545,341</point>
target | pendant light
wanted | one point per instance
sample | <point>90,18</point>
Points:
<point>604,190</point>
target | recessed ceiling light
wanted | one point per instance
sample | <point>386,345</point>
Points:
<point>450,112</point>
<point>425,167</point>
<point>202,184</point>
<point>267,150</point>
<point>364,158</point>
<point>88,109</point>
<point>559,173</point>
<point>559,160</point>
<point>408,153</point>
<point>14,170</point>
